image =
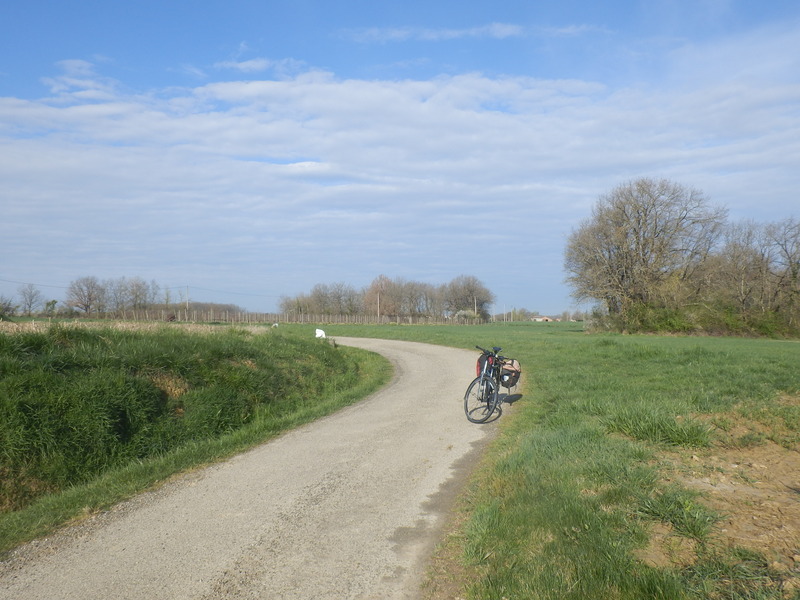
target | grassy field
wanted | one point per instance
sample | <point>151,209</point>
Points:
<point>90,415</point>
<point>633,467</point>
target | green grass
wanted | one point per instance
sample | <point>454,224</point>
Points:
<point>89,416</point>
<point>570,492</point>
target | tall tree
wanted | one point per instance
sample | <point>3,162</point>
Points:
<point>297,305</point>
<point>31,298</point>
<point>86,294</point>
<point>738,274</point>
<point>141,293</point>
<point>466,293</point>
<point>319,299</point>
<point>382,298</point>
<point>117,294</point>
<point>785,239</point>
<point>643,242</point>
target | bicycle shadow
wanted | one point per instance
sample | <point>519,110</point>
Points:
<point>498,412</point>
<point>510,398</point>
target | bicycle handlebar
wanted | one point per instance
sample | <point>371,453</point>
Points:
<point>493,352</point>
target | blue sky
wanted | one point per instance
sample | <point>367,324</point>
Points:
<point>250,150</point>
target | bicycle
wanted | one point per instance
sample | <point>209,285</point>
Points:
<point>483,394</point>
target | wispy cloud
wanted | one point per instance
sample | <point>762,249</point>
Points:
<point>401,34</point>
<point>571,30</point>
<point>246,66</point>
<point>259,176</point>
<point>80,77</point>
<point>193,71</point>
<point>491,31</point>
<point>282,67</point>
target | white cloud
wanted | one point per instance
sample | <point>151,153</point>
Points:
<point>193,71</point>
<point>572,30</point>
<point>401,34</point>
<point>246,66</point>
<point>80,80</point>
<point>767,55</point>
<point>249,177</point>
<point>491,31</point>
<point>280,68</point>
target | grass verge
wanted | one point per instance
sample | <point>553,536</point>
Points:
<point>91,416</point>
<point>633,467</point>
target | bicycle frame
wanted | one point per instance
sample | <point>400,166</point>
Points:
<point>482,398</point>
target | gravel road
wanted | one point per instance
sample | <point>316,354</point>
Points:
<point>350,506</point>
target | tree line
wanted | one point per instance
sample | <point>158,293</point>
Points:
<point>656,255</point>
<point>463,298</point>
<point>113,298</point>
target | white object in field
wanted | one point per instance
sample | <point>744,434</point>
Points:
<point>320,333</point>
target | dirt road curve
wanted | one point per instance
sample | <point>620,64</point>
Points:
<point>347,507</point>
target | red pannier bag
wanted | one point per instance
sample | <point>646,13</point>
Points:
<point>481,360</point>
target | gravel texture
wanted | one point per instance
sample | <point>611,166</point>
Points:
<point>350,506</point>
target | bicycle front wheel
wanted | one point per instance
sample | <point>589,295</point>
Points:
<point>480,401</point>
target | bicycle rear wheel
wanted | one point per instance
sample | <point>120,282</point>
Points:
<point>480,401</point>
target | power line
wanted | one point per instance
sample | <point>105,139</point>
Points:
<point>60,287</point>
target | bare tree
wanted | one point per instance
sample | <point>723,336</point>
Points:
<point>466,293</point>
<point>433,300</point>
<point>117,293</point>
<point>166,298</point>
<point>352,300</point>
<point>141,293</point>
<point>381,298</point>
<point>298,305</point>
<point>394,298</point>
<point>321,299</point>
<point>344,299</point>
<point>738,274</point>
<point>401,297</point>
<point>410,297</point>
<point>86,294</point>
<point>423,299</point>
<point>785,239</point>
<point>31,298</point>
<point>642,244</point>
